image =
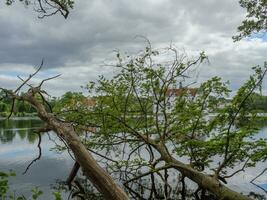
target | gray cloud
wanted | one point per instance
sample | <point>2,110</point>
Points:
<point>77,46</point>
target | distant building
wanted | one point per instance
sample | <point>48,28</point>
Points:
<point>172,94</point>
<point>89,102</point>
<point>191,92</point>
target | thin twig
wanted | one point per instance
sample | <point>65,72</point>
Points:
<point>39,155</point>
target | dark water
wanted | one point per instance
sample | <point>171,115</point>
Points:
<point>19,147</point>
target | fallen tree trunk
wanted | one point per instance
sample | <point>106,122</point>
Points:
<point>73,173</point>
<point>203,180</point>
<point>93,171</point>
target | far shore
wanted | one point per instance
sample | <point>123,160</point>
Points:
<point>26,117</point>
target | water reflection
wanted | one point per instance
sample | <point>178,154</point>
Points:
<point>19,146</point>
<point>23,128</point>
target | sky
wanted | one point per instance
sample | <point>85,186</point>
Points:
<point>79,47</point>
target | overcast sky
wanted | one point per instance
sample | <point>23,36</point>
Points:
<point>78,47</point>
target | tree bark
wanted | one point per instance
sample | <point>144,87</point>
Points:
<point>72,174</point>
<point>203,180</point>
<point>99,177</point>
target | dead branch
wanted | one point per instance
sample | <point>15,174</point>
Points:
<point>237,171</point>
<point>148,173</point>
<point>72,174</point>
<point>48,8</point>
<point>263,171</point>
<point>42,130</point>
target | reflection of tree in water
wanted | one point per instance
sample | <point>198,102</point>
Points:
<point>7,136</point>
<point>84,190</point>
<point>23,133</point>
<point>7,124</point>
<point>141,184</point>
<point>256,196</point>
<point>32,137</point>
<point>24,128</point>
<point>143,189</point>
<point>20,123</point>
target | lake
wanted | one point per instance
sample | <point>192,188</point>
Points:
<point>19,148</point>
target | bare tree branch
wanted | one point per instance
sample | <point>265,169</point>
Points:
<point>42,130</point>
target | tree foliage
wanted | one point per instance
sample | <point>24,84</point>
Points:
<point>256,18</point>
<point>148,131</point>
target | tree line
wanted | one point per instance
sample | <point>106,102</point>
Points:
<point>257,102</point>
<point>20,108</point>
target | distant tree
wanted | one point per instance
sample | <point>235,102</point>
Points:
<point>21,107</point>
<point>3,107</point>
<point>256,18</point>
<point>258,102</point>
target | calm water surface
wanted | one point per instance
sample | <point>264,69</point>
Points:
<point>19,146</point>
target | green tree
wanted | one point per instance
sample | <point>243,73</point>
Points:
<point>256,18</point>
<point>135,111</point>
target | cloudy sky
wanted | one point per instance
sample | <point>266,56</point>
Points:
<point>78,47</point>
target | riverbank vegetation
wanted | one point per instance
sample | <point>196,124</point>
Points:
<point>19,108</point>
<point>258,103</point>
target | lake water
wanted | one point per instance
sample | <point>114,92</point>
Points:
<point>19,148</point>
